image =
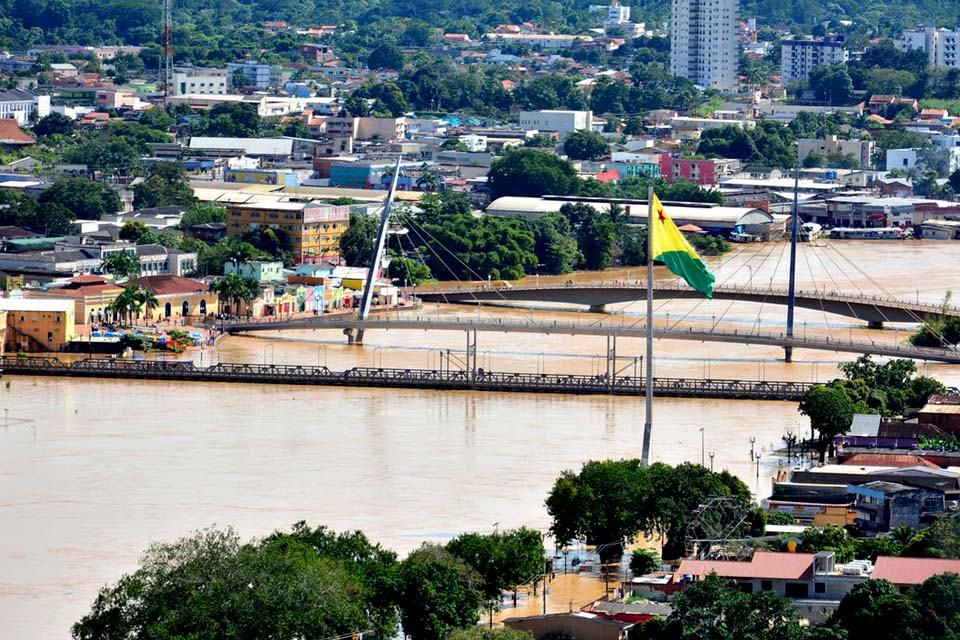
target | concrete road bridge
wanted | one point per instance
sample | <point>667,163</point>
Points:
<point>612,328</point>
<point>873,310</point>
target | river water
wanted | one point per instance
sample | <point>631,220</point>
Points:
<point>92,471</point>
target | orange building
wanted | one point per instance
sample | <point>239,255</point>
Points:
<point>310,231</point>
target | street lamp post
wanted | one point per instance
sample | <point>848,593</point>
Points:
<point>753,441</point>
<point>702,442</point>
<point>758,463</point>
<point>790,438</point>
<point>711,454</point>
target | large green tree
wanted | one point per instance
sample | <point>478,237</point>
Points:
<point>85,199</point>
<point>210,585</point>
<point>830,411</point>
<point>610,502</point>
<point>876,609</point>
<point>832,84</point>
<point>386,56</point>
<point>437,593</point>
<point>356,243</point>
<point>54,124</point>
<point>586,145</point>
<point>529,172</point>
<point>166,184</point>
<point>121,264</point>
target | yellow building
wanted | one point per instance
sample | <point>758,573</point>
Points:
<point>178,298</point>
<point>310,231</point>
<point>38,325</point>
<point>10,282</point>
<point>92,296</point>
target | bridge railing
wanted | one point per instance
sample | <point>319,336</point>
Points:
<point>608,326</point>
<point>833,294</point>
<point>404,377</point>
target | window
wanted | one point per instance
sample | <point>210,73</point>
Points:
<point>766,585</point>
<point>796,590</point>
<point>49,336</point>
<point>820,587</point>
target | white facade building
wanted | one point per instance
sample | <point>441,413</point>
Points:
<point>799,57</point>
<point>703,42</point>
<point>911,158</point>
<point>208,82</point>
<point>613,13</point>
<point>475,143</point>
<point>941,45</point>
<point>563,122</point>
<point>22,105</point>
<point>257,75</point>
<point>862,150</point>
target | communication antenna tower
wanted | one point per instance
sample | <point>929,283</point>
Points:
<point>166,49</point>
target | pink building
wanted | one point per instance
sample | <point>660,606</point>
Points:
<point>701,172</point>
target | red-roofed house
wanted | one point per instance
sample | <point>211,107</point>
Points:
<point>610,175</point>
<point>909,572</point>
<point>179,297</point>
<point>11,135</point>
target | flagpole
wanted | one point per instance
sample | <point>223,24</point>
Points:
<point>648,414</point>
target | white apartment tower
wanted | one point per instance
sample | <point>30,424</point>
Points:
<point>703,42</point>
<point>942,46</point>
<point>799,56</point>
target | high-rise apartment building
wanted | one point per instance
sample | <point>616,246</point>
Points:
<point>799,56</point>
<point>942,46</point>
<point>703,42</point>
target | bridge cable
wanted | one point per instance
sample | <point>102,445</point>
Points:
<point>411,221</point>
<point>839,290</point>
<point>442,292</point>
<point>736,297</point>
<point>882,289</point>
<point>722,283</point>
<point>823,310</point>
<point>662,302</point>
<point>776,269</point>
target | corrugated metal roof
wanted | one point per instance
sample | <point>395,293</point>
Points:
<point>249,146</point>
<point>910,571</point>
<point>764,565</point>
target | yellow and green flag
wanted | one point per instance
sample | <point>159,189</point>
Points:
<point>673,250</point>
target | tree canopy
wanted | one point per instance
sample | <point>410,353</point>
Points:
<point>166,184</point>
<point>610,502</point>
<point>585,145</point>
<point>529,172</point>
<point>85,199</point>
<point>211,585</point>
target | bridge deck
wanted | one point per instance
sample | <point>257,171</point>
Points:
<point>867,308</point>
<point>402,378</point>
<point>617,327</point>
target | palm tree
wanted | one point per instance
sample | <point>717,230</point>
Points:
<point>126,303</point>
<point>235,288</point>
<point>429,180</point>
<point>147,299</point>
<point>122,264</point>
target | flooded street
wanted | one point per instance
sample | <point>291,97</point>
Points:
<point>92,471</point>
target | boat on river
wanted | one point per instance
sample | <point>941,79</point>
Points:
<point>870,233</point>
